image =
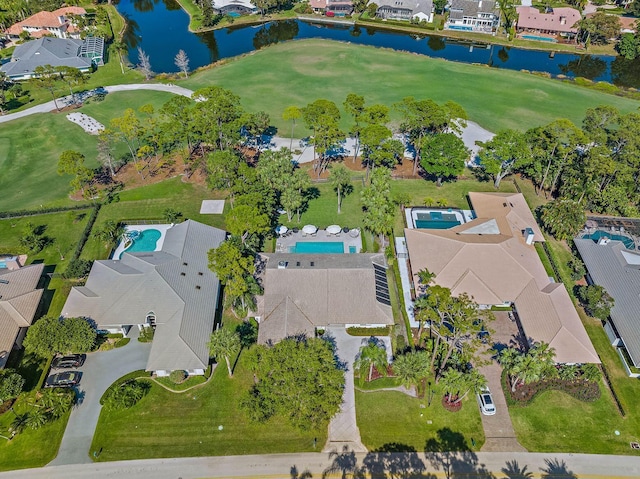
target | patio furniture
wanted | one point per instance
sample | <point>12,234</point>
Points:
<point>354,233</point>
<point>295,230</point>
<point>281,230</point>
<point>334,229</point>
<point>309,229</point>
<point>345,229</point>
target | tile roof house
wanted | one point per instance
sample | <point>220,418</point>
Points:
<point>57,23</point>
<point>19,300</point>
<point>405,10</point>
<point>303,292</point>
<point>473,15</point>
<point>559,21</point>
<point>173,289</point>
<point>492,258</point>
<point>617,269</point>
<point>80,54</point>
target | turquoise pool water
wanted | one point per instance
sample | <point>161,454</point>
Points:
<point>436,220</point>
<point>540,39</point>
<point>628,242</point>
<point>329,247</point>
<point>3,265</point>
<point>146,241</point>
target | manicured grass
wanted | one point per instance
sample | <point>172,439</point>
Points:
<point>386,417</point>
<point>183,386</point>
<point>149,203</point>
<point>166,424</point>
<point>556,422</point>
<point>380,383</point>
<point>313,69</point>
<point>30,448</point>
<point>33,145</point>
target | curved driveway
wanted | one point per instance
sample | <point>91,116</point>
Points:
<point>99,371</point>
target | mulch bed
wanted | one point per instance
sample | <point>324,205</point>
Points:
<point>451,406</point>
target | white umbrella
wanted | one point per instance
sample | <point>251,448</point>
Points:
<point>282,229</point>
<point>333,229</point>
<point>309,229</point>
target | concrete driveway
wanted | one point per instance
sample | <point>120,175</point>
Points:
<point>99,371</point>
<point>498,429</point>
<point>343,429</point>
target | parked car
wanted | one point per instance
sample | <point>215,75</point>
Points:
<point>66,379</point>
<point>68,362</point>
<point>485,401</point>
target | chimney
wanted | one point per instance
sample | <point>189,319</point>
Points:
<point>528,234</point>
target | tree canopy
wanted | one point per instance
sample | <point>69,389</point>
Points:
<point>297,378</point>
<point>51,335</point>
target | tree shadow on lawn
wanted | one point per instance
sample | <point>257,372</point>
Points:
<point>451,453</point>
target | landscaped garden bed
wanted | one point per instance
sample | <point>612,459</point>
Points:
<point>583,390</point>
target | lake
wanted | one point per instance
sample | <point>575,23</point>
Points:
<point>160,28</point>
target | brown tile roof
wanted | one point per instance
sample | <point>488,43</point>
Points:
<point>559,20</point>
<point>501,268</point>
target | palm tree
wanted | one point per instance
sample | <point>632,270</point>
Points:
<point>224,343</point>
<point>340,180</point>
<point>20,423</point>
<point>412,367</point>
<point>37,418</point>
<point>372,356</point>
<point>422,313</point>
<point>458,384</point>
<point>120,48</point>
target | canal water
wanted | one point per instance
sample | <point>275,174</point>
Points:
<point>160,28</point>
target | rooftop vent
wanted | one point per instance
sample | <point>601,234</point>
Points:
<point>297,263</point>
<point>4,281</point>
<point>199,273</point>
<point>282,265</point>
<point>183,274</point>
<point>312,263</point>
<point>198,287</point>
<point>185,264</point>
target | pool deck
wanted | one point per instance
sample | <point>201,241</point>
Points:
<point>409,213</point>
<point>284,244</point>
<point>163,231</point>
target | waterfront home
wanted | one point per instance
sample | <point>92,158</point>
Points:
<point>58,23</point>
<point>473,15</point>
<point>417,10</point>
<point>555,21</point>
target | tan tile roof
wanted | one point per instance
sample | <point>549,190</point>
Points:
<point>19,300</point>
<point>502,268</point>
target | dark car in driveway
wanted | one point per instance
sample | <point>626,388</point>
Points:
<point>68,362</point>
<point>66,379</point>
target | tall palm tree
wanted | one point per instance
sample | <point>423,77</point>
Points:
<point>224,343</point>
<point>458,384</point>
<point>372,356</point>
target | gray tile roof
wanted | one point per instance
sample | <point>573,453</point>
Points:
<point>18,304</point>
<point>319,290</point>
<point>471,8</point>
<point>175,283</point>
<point>414,6</point>
<point>617,270</point>
<point>45,51</point>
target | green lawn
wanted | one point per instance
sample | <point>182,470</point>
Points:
<point>386,417</point>
<point>30,448</point>
<point>30,148</point>
<point>166,424</point>
<point>313,69</point>
<point>576,426</point>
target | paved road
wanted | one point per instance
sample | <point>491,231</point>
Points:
<point>99,371</point>
<point>379,465</point>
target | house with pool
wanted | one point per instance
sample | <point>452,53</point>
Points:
<point>488,252</point>
<point>304,293</point>
<point>165,284</point>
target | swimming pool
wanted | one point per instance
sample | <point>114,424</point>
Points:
<point>145,241</point>
<point>321,247</point>
<point>629,243</point>
<point>436,220</point>
<point>540,39</point>
<point>3,265</point>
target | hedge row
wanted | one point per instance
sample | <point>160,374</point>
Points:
<point>41,211</point>
<point>86,232</point>
<point>586,391</point>
<point>357,331</point>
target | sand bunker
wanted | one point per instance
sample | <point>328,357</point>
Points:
<point>88,124</point>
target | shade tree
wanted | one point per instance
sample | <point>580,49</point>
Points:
<point>50,335</point>
<point>563,218</point>
<point>535,364</point>
<point>378,204</point>
<point>443,156</point>
<point>597,302</point>
<point>504,153</point>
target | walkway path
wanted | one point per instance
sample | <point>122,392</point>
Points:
<point>99,371</point>
<point>481,465</point>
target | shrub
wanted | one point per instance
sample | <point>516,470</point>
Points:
<point>121,342</point>
<point>146,334</point>
<point>357,331</point>
<point>178,377</point>
<point>78,268</point>
<point>125,395</point>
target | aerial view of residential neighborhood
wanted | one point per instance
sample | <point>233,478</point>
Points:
<point>320,239</point>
